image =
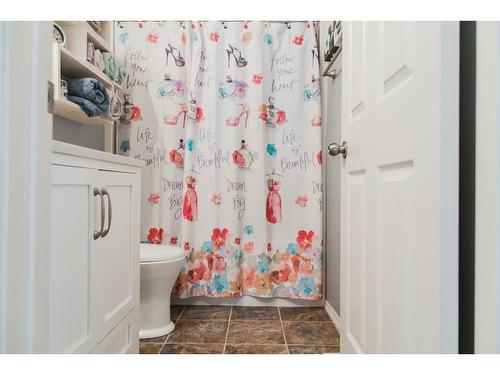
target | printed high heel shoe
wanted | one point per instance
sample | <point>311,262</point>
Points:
<point>235,121</point>
<point>179,60</point>
<point>240,60</point>
<point>173,120</point>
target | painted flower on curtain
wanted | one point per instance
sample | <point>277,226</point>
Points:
<point>198,90</point>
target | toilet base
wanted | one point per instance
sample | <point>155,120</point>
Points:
<point>157,332</point>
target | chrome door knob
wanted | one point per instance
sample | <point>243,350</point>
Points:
<point>334,149</point>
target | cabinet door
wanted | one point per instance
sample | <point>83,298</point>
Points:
<point>72,320</point>
<point>115,257</point>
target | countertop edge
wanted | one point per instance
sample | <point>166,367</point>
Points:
<point>89,153</point>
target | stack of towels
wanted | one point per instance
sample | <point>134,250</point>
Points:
<point>89,94</point>
<point>107,63</point>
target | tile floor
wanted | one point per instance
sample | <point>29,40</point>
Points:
<point>246,330</point>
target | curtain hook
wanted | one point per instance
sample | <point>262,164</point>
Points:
<point>288,26</point>
<point>224,24</point>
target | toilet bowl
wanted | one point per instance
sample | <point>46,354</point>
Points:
<point>160,265</point>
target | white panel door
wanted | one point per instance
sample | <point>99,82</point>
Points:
<point>399,188</point>
<point>71,317</point>
<point>116,255</point>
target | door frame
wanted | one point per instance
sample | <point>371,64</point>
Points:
<point>25,154</point>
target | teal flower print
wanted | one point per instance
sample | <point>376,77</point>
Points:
<point>248,229</point>
<point>194,37</point>
<point>307,286</point>
<point>268,39</point>
<point>263,265</point>
<point>125,145</point>
<point>190,144</point>
<point>207,247</point>
<point>292,248</point>
<point>123,37</point>
<point>271,149</point>
<point>219,283</point>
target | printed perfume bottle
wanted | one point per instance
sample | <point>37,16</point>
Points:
<point>195,112</point>
<point>312,89</point>
<point>242,157</point>
<point>273,203</point>
<point>190,202</point>
<point>272,115</point>
<point>170,87</point>
<point>232,88</point>
<point>177,155</point>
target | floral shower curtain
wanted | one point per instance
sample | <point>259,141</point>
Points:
<point>227,117</point>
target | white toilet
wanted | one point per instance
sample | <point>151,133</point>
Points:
<point>160,265</point>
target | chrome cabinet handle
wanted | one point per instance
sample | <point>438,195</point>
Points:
<point>334,149</point>
<point>98,233</point>
<point>110,214</point>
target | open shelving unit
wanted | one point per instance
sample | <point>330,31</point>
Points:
<point>71,62</point>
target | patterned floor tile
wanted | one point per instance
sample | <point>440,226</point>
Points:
<point>255,349</point>
<point>206,313</point>
<point>199,331</point>
<point>308,333</point>
<point>321,349</point>
<point>254,313</point>
<point>149,347</point>
<point>255,332</point>
<point>306,314</point>
<point>192,349</point>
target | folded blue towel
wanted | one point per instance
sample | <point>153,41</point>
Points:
<point>89,94</point>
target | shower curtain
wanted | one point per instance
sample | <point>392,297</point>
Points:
<point>227,117</point>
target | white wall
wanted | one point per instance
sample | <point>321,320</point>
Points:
<point>91,136</point>
<point>487,294</point>
<point>331,111</point>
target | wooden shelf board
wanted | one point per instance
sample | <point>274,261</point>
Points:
<point>73,67</point>
<point>73,112</point>
<point>94,37</point>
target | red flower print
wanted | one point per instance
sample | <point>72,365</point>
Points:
<point>269,247</point>
<point>257,78</point>
<point>214,37</point>
<point>299,40</point>
<point>183,38</point>
<point>196,274</point>
<point>199,114</point>
<point>302,265</point>
<point>216,198</point>
<point>305,239</point>
<point>238,159</point>
<point>319,157</point>
<point>136,113</point>
<point>281,117</point>
<point>176,158</point>
<point>219,237</point>
<point>154,198</point>
<point>193,25</point>
<point>152,38</point>
<point>141,25</point>
<point>245,25</point>
<point>281,276</point>
<point>216,263</point>
<point>155,235</point>
<point>301,200</point>
<point>237,240</point>
<point>186,246</point>
<point>173,240</point>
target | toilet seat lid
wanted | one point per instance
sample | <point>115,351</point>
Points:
<point>160,253</point>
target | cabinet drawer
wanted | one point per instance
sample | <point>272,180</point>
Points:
<point>124,338</point>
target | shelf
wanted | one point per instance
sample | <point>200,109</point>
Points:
<point>94,37</point>
<point>73,112</point>
<point>73,67</point>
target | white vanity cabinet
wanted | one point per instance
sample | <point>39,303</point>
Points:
<point>94,259</point>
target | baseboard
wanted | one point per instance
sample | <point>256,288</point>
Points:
<point>333,316</point>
